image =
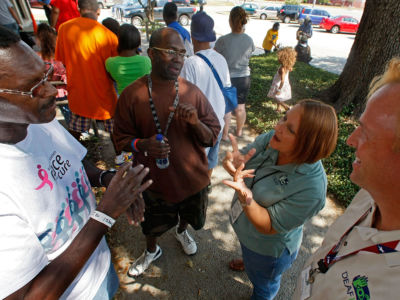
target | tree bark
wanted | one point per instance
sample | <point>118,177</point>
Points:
<point>377,41</point>
<point>149,11</point>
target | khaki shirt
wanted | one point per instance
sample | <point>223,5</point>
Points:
<point>364,275</point>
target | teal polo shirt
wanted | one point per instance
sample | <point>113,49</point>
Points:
<point>291,193</point>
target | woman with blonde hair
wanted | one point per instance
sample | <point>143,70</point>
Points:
<point>237,48</point>
<point>280,183</point>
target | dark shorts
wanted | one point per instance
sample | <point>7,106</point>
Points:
<point>161,216</point>
<point>242,85</point>
<point>82,124</point>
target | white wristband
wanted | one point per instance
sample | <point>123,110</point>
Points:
<point>102,218</point>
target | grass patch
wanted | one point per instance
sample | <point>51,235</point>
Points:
<point>306,82</point>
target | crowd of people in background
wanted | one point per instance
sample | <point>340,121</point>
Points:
<point>165,113</point>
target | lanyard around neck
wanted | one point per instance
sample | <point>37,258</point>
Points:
<point>255,179</point>
<point>153,108</point>
<point>332,257</point>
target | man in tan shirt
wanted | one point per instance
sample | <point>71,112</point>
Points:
<point>360,258</point>
<point>179,190</point>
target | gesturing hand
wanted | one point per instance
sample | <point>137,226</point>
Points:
<point>244,193</point>
<point>135,213</point>
<point>124,189</point>
<point>186,112</point>
<point>155,148</point>
<point>234,159</point>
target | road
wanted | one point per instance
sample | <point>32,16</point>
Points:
<point>329,51</point>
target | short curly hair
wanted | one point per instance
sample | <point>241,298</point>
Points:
<point>237,18</point>
<point>287,57</point>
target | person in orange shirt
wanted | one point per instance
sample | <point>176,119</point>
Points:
<point>83,45</point>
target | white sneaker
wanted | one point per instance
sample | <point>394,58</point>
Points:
<point>188,243</point>
<point>142,263</point>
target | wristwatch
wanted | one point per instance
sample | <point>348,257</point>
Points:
<point>103,173</point>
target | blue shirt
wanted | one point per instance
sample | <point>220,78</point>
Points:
<point>182,31</point>
<point>291,193</point>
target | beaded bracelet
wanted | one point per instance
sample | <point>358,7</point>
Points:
<point>133,144</point>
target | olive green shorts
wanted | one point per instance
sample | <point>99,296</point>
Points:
<point>160,216</point>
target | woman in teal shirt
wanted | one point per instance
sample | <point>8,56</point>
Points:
<point>280,183</point>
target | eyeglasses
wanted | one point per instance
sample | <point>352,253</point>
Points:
<point>171,52</point>
<point>35,90</point>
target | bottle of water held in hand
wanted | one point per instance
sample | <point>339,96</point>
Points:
<point>161,163</point>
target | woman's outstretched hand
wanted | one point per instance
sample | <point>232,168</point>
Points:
<point>244,193</point>
<point>234,159</point>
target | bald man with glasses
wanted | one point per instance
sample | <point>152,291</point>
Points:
<point>164,103</point>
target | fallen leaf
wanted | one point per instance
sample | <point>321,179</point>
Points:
<point>189,263</point>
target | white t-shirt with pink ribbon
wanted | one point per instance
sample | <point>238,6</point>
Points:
<point>46,199</point>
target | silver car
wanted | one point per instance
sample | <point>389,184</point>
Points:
<point>107,3</point>
<point>268,12</point>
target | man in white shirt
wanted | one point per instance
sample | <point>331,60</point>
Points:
<point>359,257</point>
<point>52,243</point>
<point>199,73</point>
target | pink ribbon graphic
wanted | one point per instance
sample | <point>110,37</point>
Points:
<point>44,177</point>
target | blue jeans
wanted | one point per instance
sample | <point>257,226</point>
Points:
<point>265,271</point>
<point>109,285</point>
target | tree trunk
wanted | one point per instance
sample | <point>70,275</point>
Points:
<point>377,41</point>
<point>149,12</point>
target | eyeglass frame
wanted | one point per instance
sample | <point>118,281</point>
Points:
<point>171,52</point>
<point>41,82</point>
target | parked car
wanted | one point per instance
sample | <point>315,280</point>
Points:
<point>341,2</point>
<point>181,2</point>
<point>250,8</point>
<point>106,3</point>
<point>267,12</point>
<point>340,24</point>
<point>131,9</point>
<point>290,12</point>
<point>202,2</point>
<point>316,15</point>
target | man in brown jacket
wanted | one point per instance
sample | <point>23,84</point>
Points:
<point>180,112</point>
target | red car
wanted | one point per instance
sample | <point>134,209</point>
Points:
<point>340,24</point>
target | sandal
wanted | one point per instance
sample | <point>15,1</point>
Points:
<point>236,265</point>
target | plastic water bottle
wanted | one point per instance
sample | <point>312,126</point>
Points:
<point>161,163</point>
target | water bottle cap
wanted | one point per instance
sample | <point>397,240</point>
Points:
<point>159,137</point>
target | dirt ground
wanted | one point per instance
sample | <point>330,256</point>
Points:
<point>205,275</point>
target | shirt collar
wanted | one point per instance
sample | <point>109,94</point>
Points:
<point>288,168</point>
